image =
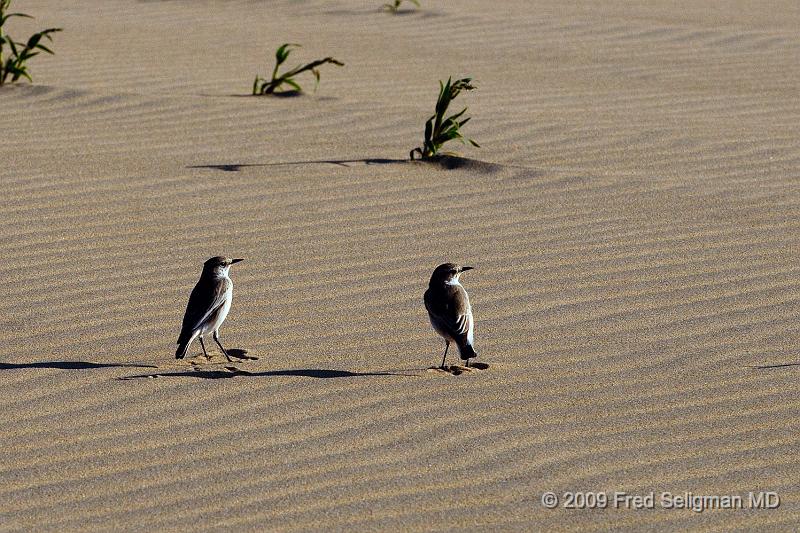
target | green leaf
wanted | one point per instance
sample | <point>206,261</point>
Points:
<point>440,129</point>
<point>448,135</point>
<point>293,83</point>
<point>33,40</point>
<point>444,98</point>
<point>23,15</point>
<point>316,75</point>
<point>20,71</point>
<point>447,125</point>
<point>44,48</point>
<point>283,52</point>
<point>454,117</point>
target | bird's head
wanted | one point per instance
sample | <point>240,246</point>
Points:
<point>219,265</point>
<point>448,273</point>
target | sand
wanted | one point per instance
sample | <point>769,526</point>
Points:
<point>632,217</point>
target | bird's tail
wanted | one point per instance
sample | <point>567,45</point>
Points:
<point>182,347</point>
<point>467,352</point>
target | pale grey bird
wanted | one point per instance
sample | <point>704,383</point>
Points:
<point>450,311</point>
<point>208,305</point>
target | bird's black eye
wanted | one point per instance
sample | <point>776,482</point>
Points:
<point>454,271</point>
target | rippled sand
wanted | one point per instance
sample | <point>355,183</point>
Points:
<point>632,216</point>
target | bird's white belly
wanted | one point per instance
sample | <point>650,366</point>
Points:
<point>213,325</point>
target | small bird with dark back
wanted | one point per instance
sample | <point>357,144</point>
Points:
<point>450,311</point>
<point>208,306</point>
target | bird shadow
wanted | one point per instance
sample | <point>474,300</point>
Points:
<point>457,370</point>
<point>232,372</point>
<point>237,353</point>
<point>241,354</point>
<point>236,167</point>
<point>71,365</point>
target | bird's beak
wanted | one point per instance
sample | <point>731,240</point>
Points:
<point>464,269</point>
<point>236,260</point>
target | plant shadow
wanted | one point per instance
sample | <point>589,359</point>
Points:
<point>236,167</point>
<point>284,94</point>
<point>294,93</point>
<point>444,161</point>
<point>406,12</point>
<point>451,161</point>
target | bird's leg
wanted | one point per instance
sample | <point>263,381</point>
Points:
<point>216,339</point>
<point>446,346</point>
<point>204,348</point>
<point>467,363</point>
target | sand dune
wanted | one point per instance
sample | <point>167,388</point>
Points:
<point>632,216</point>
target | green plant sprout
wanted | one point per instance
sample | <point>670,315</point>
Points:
<point>263,86</point>
<point>439,130</point>
<point>14,65</point>
<point>394,8</point>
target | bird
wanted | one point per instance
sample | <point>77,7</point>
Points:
<point>208,305</point>
<point>450,311</point>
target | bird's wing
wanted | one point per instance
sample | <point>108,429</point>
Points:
<point>206,297</point>
<point>451,310</point>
